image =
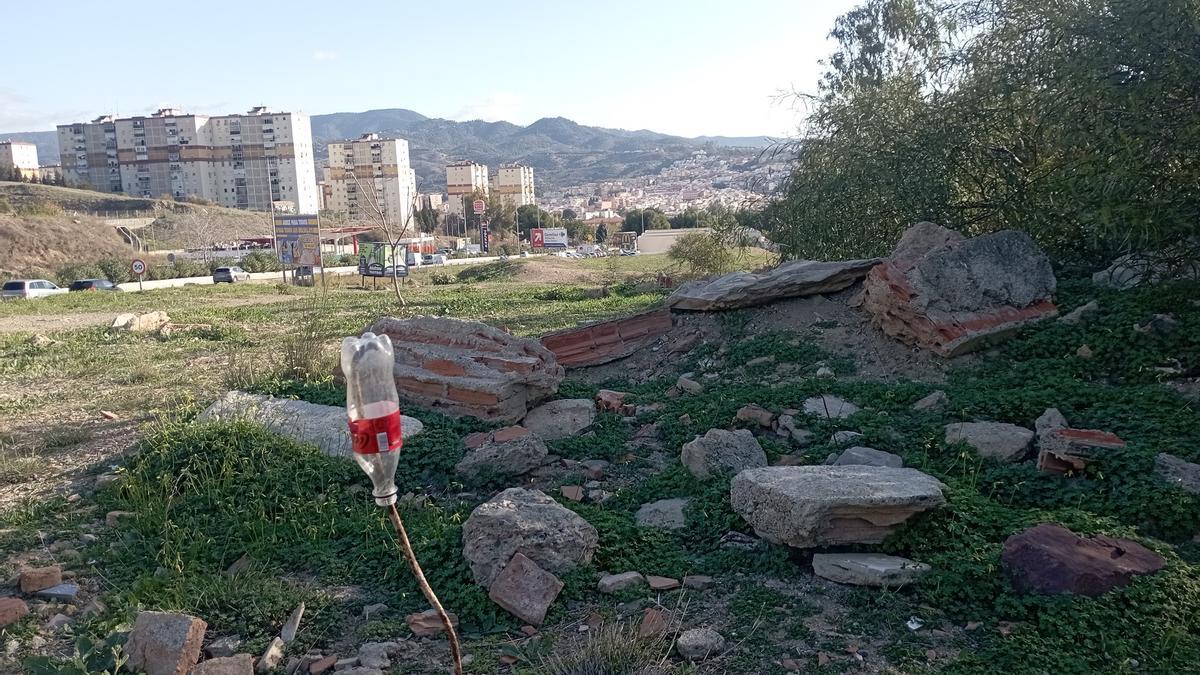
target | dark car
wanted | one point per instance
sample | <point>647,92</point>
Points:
<point>93,285</point>
<point>230,275</point>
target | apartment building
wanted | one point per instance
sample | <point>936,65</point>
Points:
<point>371,173</point>
<point>19,155</point>
<point>253,161</point>
<point>463,178</point>
<point>513,183</point>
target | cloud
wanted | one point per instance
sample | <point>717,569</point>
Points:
<point>17,114</point>
<point>324,55</point>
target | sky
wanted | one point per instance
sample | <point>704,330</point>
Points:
<point>698,67</point>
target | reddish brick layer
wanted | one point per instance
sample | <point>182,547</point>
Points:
<point>608,340</point>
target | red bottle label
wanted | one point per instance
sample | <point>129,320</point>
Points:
<point>375,435</point>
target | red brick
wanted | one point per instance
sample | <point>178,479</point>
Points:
<point>419,388</point>
<point>324,665</point>
<point>572,492</point>
<point>476,439</point>
<point>35,579</point>
<point>12,610</point>
<point>445,367</point>
<point>471,396</point>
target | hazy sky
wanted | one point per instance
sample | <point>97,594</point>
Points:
<point>690,67</point>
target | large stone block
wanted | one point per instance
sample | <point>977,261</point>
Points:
<point>789,280</point>
<point>1049,559</point>
<point>163,643</point>
<point>810,506</point>
<point>953,295</point>
<point>722,451</point>
<point>467,368</point>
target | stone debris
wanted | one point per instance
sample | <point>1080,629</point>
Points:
<point>664,513</point>
<point>552,536</point>
<point>789,280</point>
<point>994,440</point>
<point>33,579</point>
<point>698,582</point>
<point>271,656</point>
<point>525,590</point>
<point>322,665</point>
<point>288,632</point>
<point>810,506</point>
<point>737,541</point>
<point>1049,559</point>
<point>428,623</point>
<point>239,664</point>
<point>1049,420</point>
<point>1065,451</point>
<point>662,583</point>
<point>1179,472</point>
<point>572,492</point>
<point>222,647</point>
<point>687,384</point>
<point>376,655</point>
<point>698,644</point>
<point>164,643</point>
<point>934,401</point>
<point>114,518</point>
<point>756,414</point>
<point>721,451</point>
<point>64,592</point>
<point>825,371</point>
<point>613,583</point>
<point>829,407</point>
<point>1084,352</point>
<point>467,368</point>
<point>844,437</point>
<point>594,469</point>
<point>560,419</point>
<point>953,295</point>
<point>376,609</point>
<point>863,456</point>
<point>1134,269</point>
<point>1077,315</point>
<point>12,610</point>
<point>605,341</point>
<point>511,451</point>
<point>140,323</point>
<point>608,400</point>
<point>321,425</point>
<point>655,621</point>
<point>867,569</point>
<point>785,425</point>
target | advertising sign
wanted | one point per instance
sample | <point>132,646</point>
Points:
<point>484,237</point>
<point>554,237</point>
<point>382,259</point>
<point>298,239</point>
<point>537,238</point>
<point>480,206</point>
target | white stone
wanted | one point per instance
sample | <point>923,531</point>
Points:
<point>996,440</point>
<point>867,569</point>
<point>828,406</point>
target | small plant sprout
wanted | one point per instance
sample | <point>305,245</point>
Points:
<point>376,438</point>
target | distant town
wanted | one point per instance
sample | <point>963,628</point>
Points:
<point>264,160</point>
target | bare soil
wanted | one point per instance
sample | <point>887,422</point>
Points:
<point>44,323</point>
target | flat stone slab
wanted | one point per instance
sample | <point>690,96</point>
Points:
<point>664,513</point>
<point>829,407</point>
<point>868,569</point>
<point>1049,559</point>
<point>525,590</point>
<point>995,440</point>
<point>560,419</point>
<point>864,456</point>
<point>720,451</point>
<point>1178,472</point>
<point>324,426</point>
<point>597,343</point>
<point>810,506</point>
<point>790,280</point>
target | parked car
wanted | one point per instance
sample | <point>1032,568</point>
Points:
<point>92,285</point>
<point>427,259</point>
<point>230,275</point>
<point>524,254</point>
<point>29,288</point>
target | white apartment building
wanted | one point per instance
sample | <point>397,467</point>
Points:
<point>463,178</point>
<point>513,183</point>
<point>252,161</point>
<point>371,173</point>
<point>19,155</point>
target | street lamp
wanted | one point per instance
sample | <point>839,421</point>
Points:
<point>376,437</point>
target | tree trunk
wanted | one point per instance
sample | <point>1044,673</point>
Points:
<point>396,287</point>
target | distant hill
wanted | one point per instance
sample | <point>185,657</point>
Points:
<point>562,152</point>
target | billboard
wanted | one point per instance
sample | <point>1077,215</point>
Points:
<point>298,239</point>
<point>381,259</point>
<point>554,237</point>
<point>485,238</point>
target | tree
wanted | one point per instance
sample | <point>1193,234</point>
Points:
<point>531,216</point>
<point>702,254</point>
<point>569,214</point>
<point>601,233</point>
<point>645,219</point>
<point>1074,121</point>
<point>377,215</point>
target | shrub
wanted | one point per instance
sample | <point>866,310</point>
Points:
<point>702,255</point>
<point>260,261</point>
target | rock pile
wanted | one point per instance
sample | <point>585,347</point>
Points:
<point>789,280</point>
<point>467,368</point>
<point>953,295</point>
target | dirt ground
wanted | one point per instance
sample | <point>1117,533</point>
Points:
<point>42,323</point>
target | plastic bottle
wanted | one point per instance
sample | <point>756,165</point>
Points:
<point>374,411</point>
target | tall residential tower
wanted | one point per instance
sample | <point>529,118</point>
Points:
<point>371,173</point>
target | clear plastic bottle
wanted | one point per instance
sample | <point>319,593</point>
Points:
<point>374,411</point>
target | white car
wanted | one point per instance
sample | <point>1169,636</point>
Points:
<point>29,288</point>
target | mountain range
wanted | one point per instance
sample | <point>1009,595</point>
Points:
<point>561,152</point>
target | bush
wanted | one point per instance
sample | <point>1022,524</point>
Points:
<point>260,261</point>
<point>702,255</point>
<point>442,279</point>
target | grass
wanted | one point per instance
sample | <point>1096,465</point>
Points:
<point>207,494</point>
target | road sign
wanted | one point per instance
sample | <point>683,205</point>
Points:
<point>298,239</point>
<point>138,266</point>
<point>554,237</point>
<point>537,238</point>
<point>480,206</point>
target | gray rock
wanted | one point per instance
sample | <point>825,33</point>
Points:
<point>374,610</point>
<point>561,419</point>
<point>785,425</point>
<point>736,541</point>
<point>163,643</point>
<point>612,583</point>
<point>789,280</point>
<point>1080,313</point>
<point>722,451</point>
<point>828,406</point>
<point>810,506</point>
<point>996,440</point>
<point>698,582</point>
<point>664,513</point>
<point>867,569</point>
<point>511,457</point>
<point>321,425</point>
<point>1049,421</point>
<point>375,655</point>
<point>934,401</point>
<point>223,647</point>
<point>64,592</point>
<point>359,670</point>
<point>1132,270</point>
<point>698,644</point>
<point>552,536</point>
<point>825,371</point>
<point>689,385</point>
<point>288,633</point>
<point>862,456</point>
<point>844,437</point>
<point>1178,472</point>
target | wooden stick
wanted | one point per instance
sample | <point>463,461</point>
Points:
<point>455,651</point>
